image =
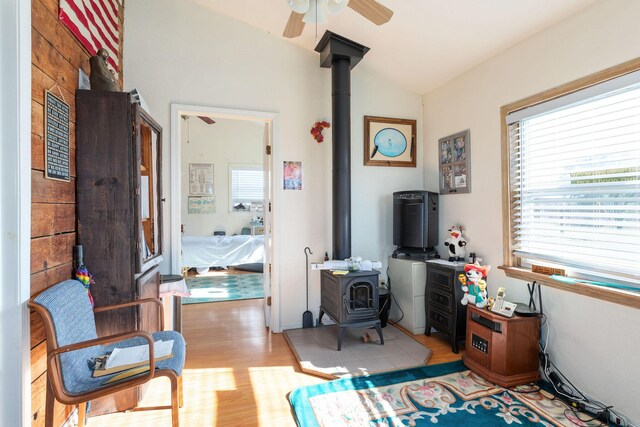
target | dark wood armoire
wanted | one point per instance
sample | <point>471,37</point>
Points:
<point>119,214</point>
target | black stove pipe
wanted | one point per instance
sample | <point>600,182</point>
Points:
<point>341,55</point>
<point>341,136</point>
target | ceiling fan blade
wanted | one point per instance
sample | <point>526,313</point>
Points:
<point>372,10</point>
<point>207,120</point>
<point>294,25</point>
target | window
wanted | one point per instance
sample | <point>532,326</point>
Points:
<point>246,188</point>
<point>574,181</point>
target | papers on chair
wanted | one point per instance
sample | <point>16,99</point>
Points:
<point>132,372</point>
<point>122,359</point>
<point>137,354</point>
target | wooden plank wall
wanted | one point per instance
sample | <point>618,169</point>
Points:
<point>56,57</point>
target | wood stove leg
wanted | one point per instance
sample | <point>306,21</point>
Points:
<point>379,329</point>
<point>340,335</point>
<point>454,344</point>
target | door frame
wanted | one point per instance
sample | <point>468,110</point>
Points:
<point>177,110</point>
<point>15,188</point>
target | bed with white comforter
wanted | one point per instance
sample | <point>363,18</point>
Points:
<point>221,251</point>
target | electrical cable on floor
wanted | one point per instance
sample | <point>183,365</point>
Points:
<point>576,414</point>
<point>551,372</point>
<point>535,389</point>
<point>571,395</point>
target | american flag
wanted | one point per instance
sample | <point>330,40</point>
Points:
<point>95,23</point>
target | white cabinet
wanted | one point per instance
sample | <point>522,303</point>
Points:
<point>408,278</point>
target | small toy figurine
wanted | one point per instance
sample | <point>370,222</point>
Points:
<point>456,244</point>
<point>473,285</point>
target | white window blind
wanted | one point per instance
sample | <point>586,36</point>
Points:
<point>575,185</point>
<point>247,186</point>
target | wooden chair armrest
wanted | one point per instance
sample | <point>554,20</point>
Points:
<point>106,340</point>
<point>133,303</point>
<point>103,340</point>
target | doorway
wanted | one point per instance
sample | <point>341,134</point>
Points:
<point>221,215</point>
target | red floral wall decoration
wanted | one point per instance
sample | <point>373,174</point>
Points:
<point>316,130</point>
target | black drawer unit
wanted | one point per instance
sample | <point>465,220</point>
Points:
<point>440,320</point>
<point>440,299</point>
<point>443,293</point>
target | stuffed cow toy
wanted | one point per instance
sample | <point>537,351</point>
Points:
<point>473,285</point>
<point>455,244</point>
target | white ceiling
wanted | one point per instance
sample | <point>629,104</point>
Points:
<point>427,42</point>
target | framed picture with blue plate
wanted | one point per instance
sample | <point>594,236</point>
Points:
<point>389,142</point>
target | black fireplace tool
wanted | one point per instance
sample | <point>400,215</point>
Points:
<point>307,316</point>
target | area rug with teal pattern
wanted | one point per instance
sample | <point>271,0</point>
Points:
<point>224,288</point>
<point>447,395</point>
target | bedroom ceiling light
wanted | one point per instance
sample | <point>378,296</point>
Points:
<point>315,11</point>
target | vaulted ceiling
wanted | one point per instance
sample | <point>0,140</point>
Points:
<point>426,42</point>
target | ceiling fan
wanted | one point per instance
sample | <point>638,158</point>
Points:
<point>303,11</point>
<point>206,119</point>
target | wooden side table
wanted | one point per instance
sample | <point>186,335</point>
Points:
<point>503,350</point>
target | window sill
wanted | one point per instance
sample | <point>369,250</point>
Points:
<point>617,296</point>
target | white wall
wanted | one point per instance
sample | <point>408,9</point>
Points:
<point>594,343</point>
<point>372,186</point>
<point>223,143</point>
<point>178,52</point>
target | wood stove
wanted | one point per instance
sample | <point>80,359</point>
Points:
<point>350,300</point>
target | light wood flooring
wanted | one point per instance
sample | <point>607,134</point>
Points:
<point>236,372</point>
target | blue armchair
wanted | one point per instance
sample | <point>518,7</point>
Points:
<point>72,343</point>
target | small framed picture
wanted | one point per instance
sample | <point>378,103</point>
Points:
<point>389,142</point>
<point>291,175</point>
<point>453,156</point>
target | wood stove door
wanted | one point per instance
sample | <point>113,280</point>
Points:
<point>360,301</point>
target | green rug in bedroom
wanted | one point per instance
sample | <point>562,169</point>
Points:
<point>224,288</point>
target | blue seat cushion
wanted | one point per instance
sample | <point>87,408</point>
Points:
<point>71,312</point>
<point>77,366</point>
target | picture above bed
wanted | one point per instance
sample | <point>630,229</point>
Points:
<point>222,251</point>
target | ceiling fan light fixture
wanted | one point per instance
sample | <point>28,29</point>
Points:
<point>336,6</point>
<point>317,12</point>
<point>299,6</point>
